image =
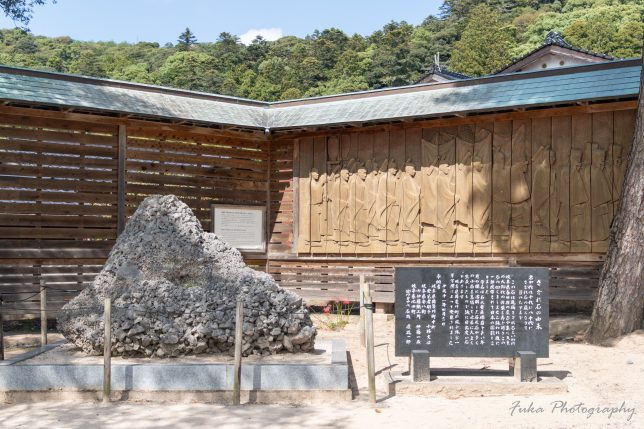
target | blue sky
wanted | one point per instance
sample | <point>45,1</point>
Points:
<point>162,20</point>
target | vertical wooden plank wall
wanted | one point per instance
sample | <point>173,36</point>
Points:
<point>515,190</point>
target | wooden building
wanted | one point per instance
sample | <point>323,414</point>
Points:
<point>518,169</point>
<point>553,53</point>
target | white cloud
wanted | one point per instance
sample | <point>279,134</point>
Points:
<point>266,33</point>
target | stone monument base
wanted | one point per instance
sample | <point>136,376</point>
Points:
<point>325,378</point>
<point>469,383</point>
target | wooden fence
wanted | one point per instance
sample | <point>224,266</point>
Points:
<point>63,197</point>
<point>67,187</point>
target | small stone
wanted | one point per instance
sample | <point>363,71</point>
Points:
<point>276,331</point>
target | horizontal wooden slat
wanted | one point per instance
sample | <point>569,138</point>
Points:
<point>48,136</point>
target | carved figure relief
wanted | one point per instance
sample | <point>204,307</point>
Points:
<point>342,225</point>
<point>359,200</point>
<point>388,203</point>
<point>523,185</point>
<point>318,208</point>
<point>501,185</point>
<point>446,192</point>
<point>618,170</point>
<point>579,197</point>
<point>600,196</point>
<point>410,205</point>
<point>371,190</point>
<point>541,162</point>
<point>482,188</point>
<point>429,175</point>
<point>520,191</point>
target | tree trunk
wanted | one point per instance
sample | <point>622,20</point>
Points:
<point>619,307</point>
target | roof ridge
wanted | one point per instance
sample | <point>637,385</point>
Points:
<point>554,38</point>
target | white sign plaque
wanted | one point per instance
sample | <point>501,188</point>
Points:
<point>241,226</point>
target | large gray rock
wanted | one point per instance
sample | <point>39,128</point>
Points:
<point>174,288</point>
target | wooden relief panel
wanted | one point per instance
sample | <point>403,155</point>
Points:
<point>501,186</point>
<point>446,191</point>
<point>463,199</point>
<point>520,180</point>
<point>429,173</point>
<point>482,188</point>
<point>541,159</point>
<point>624,124</point>
<point>580,155</point>
<point>364,194</point>
<point>560,184</point>
<point>411,188</point>
<point>601,180</point>
<point>532,185</point>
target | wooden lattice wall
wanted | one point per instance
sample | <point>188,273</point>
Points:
<point>59,195</point>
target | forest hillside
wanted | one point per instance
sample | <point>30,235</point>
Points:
<point>473,37</point>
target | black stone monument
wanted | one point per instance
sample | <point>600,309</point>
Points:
<point>472,312</point>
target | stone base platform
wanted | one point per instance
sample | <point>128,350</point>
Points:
<point>325,377</point>
<point>454,384</point>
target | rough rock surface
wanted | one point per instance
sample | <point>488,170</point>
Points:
<point>174,288</point>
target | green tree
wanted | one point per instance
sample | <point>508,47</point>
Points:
<point>20,10</point>
<point>190,70</point>
<point>186,40</point>
<point>392,64</point>
<point>485,44</point>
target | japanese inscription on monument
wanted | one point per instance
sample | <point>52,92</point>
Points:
<point>469,312</point>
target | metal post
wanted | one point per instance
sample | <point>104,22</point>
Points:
<point>239,321</point>
<point>43,314</point>
<point>1,333</point>
<point>107,351</point>
<point>371,371</point>
<point>362,330</point>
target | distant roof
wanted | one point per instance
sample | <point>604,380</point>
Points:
<point>605,81</point>
<point>553,38</point>
<point>441,71</point>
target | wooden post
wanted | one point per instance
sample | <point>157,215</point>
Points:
<point>120,199</point>
<point>362,312</point>
<point>296,195</point>
<point>107,351</point>
<point>267,215</point>
<point>43,314</point>
<point>371,370</point>
<point>239,321</point>
<point>1,333</point>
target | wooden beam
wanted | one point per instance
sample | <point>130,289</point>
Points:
<point>122,137</point>
<point>96,118</point>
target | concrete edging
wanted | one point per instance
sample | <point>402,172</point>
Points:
<point>203,378</point>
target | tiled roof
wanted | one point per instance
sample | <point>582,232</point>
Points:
<point>442,71</point>
<point>612,80</point>
<point>554,39</point>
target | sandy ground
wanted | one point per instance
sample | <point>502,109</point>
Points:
<point>599,379</point>
<point>18,343</point>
